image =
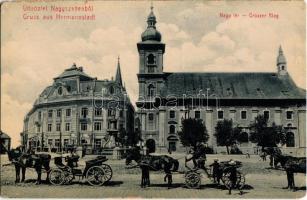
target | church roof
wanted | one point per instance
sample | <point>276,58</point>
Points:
<point>232,85</point>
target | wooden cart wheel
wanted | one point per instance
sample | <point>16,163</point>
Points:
<point>240,180</point>
<point>192,179</point>
<point>95,176</point>
<point>108,173</point>
<point>68,177</point>
<point>56,177</point>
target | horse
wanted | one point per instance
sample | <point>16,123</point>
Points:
<point>23,160</point>
<point>152,163</point>
<point>289,163</point>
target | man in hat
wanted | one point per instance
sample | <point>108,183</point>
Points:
<point>216,171</point>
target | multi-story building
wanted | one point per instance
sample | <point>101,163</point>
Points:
<point>165,98</point>
<point>79,110</point>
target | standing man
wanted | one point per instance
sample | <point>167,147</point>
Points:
<point>216,171</point>
<point>233,175</point>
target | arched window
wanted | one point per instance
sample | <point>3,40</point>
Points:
<point>282,67</point>
<point>290,139</point>
<point>244,137</point>
<point>151,90</point>
<point>171,129</point>
<point>151,59</point>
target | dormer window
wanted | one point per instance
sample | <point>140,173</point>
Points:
<point>60,91</point>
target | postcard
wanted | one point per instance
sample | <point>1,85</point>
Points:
<point>153,99</point>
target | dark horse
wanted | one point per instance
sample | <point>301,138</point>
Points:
<point>152,163</point>
<point>23,160</point>
<point>289,163</point>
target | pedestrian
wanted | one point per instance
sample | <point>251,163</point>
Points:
<point>232,176</point>
<point>216,171</point>
<point>83,150</point>
<point>247,154</point>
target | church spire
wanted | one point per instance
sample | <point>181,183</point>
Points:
<point>118,76</point>
<point>281,62</point>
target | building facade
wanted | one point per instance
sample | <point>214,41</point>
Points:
<point>79,110</point>
<point>167,98</point>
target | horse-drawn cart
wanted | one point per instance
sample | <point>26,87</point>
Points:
<point>193,176</point>
<point>96,171</point>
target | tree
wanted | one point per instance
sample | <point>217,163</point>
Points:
<point>264,135</point>
<point>193,131</point>
<point>134,137</point>
<point>226,134</point>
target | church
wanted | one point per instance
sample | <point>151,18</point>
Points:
<point>167,98</point>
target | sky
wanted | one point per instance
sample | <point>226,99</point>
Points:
<point>197,39</point>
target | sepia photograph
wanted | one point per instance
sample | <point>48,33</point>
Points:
<point>153,99</point>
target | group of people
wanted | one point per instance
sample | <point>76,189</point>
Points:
<point>197,155</point>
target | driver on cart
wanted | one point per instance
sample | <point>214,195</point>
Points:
<point>198,156</point>
<point>72,159</point>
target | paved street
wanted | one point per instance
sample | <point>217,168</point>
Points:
<point>260,183</point>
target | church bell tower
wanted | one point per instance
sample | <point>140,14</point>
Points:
<point>151,51</point>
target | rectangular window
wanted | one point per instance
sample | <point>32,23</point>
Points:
<point>254,114</point>
<point>58,113</point>
<point>84,112</point>
<point>197,114</point>
<point>220,114</point>
<point>243,114</point>
<point>97,126</point>
<point>98,112</point>
<point>151,69</point>
<point>57,142</point>
<point>232,115</point>
<point>58,127</point>
<point>150,117</point>
<point>151,121</point>
<point>266,114</point>
<point>111,112</point>
<point>97,143</point>
<point>49,113</point>
<point>121,113</point>
<point>67,127</point>
<point>68,112</point>
<point>50,141</point>
<point>38,129</point>
<point>49,127</point>
<point>66,141</point>
<point>289,114</point>
<point>172,114</point>
<point>83,126</point>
